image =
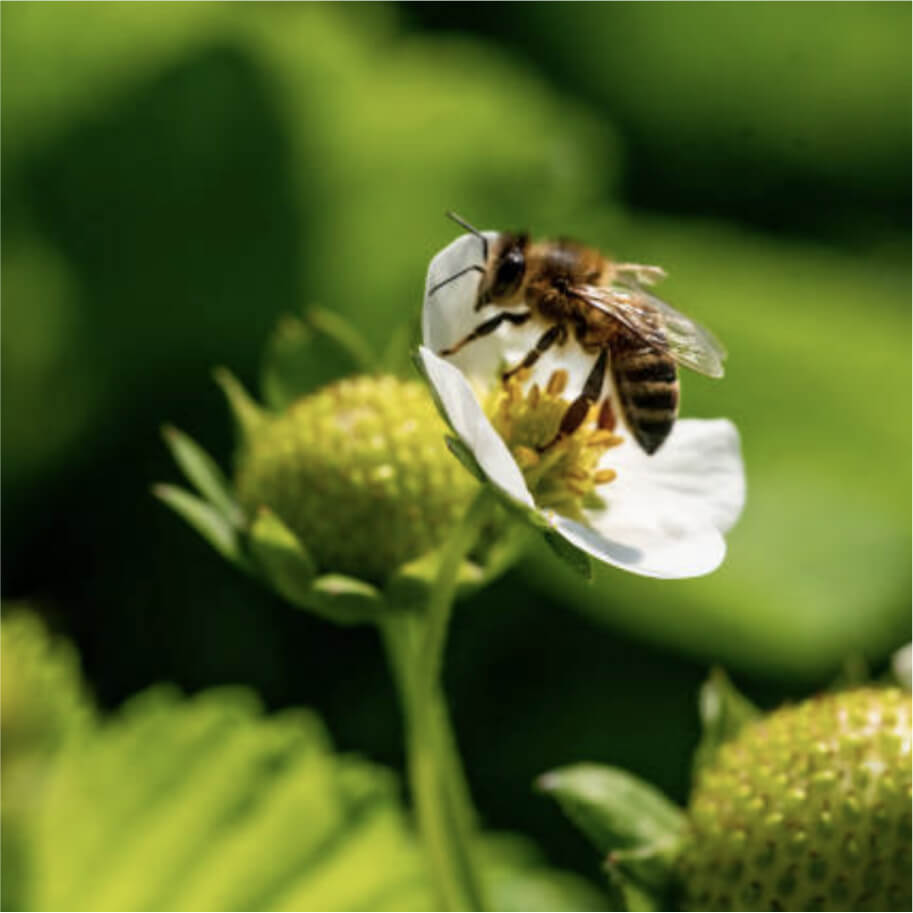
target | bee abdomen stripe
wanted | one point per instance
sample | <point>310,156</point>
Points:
<point>653,416</point>
<point>653,427</point>
<point>658,369</point>
<point>665,400</point>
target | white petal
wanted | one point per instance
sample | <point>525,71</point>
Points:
<point>670,554</point>
<point>696,478</point>
<point>447,314</point>
<point>471,424</point>
<point>665,514</point>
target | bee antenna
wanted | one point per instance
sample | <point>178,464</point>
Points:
<point>462,272</point>
<point>471,228</point>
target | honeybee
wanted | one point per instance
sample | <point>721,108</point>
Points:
<point>573,289</point>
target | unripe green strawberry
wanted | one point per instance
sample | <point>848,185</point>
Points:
<point>359,472</point>
<point>806,809</point>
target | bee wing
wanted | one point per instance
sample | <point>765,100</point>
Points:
<point>687,342</point>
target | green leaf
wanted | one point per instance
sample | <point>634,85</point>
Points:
<point>302,355</point>
<point>613,808</point>
<point>723,712</point>
<point>203,804</point>
<point>209,522</point>
<point>43,705</point>
<point>203,473</point>
<point>287,566</point>
<point>518,878</point>
<point>207,804</point>
<point>579,562</point>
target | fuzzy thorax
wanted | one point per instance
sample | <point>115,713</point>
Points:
<point>562,475</point>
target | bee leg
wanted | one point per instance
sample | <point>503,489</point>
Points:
<point>489,326</point>
<point>578,409</point>
<point>556,333</point>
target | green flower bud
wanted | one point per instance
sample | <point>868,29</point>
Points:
<point>358,471</point>
<point>806,809</point>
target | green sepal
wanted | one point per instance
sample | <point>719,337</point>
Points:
<point>288,567</point>
<point>202,471</point>
<point>629,821</point>
<point>615,809</point>
<point>628,893</point>
<point>346,600</point>
<point>245,410</point>
<point>573,557</point>
<point>207,520</point>
<point>465,456</point>
<point>412,583</point>
<point>303,355</point>
<point>723,712</point>
<point>644,877</point>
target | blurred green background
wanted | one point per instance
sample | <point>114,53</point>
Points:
<point>175,177</point>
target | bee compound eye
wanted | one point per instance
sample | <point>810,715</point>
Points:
<point>509,271</point>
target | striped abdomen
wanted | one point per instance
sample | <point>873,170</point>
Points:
<point>647,384</point>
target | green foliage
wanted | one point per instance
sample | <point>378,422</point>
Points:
<point>708,100</point>
<point>43,705</point>
<point>318,175</point>
<point>724,711</point>
<point>204,803</point>
<point>43,697</point>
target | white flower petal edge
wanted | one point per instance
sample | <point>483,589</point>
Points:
<point>467,419</point>
<point>665,514</point>
<point>674,557</point>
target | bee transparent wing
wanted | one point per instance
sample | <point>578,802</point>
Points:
<point>659,325</point>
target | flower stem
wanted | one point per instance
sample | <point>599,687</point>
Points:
<point>440,794</point>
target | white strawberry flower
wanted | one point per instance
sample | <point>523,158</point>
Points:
<point>663,515</point>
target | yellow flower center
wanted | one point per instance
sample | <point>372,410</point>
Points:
<point>561,472</point>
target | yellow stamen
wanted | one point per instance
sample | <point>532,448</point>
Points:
<point>561,474</point>
<point>525,457</point>
<point>557,382</point>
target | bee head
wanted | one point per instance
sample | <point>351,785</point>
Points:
<point>507,269</point>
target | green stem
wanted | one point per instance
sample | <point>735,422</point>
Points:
<point>442,801</point>
<point>440,603</point>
